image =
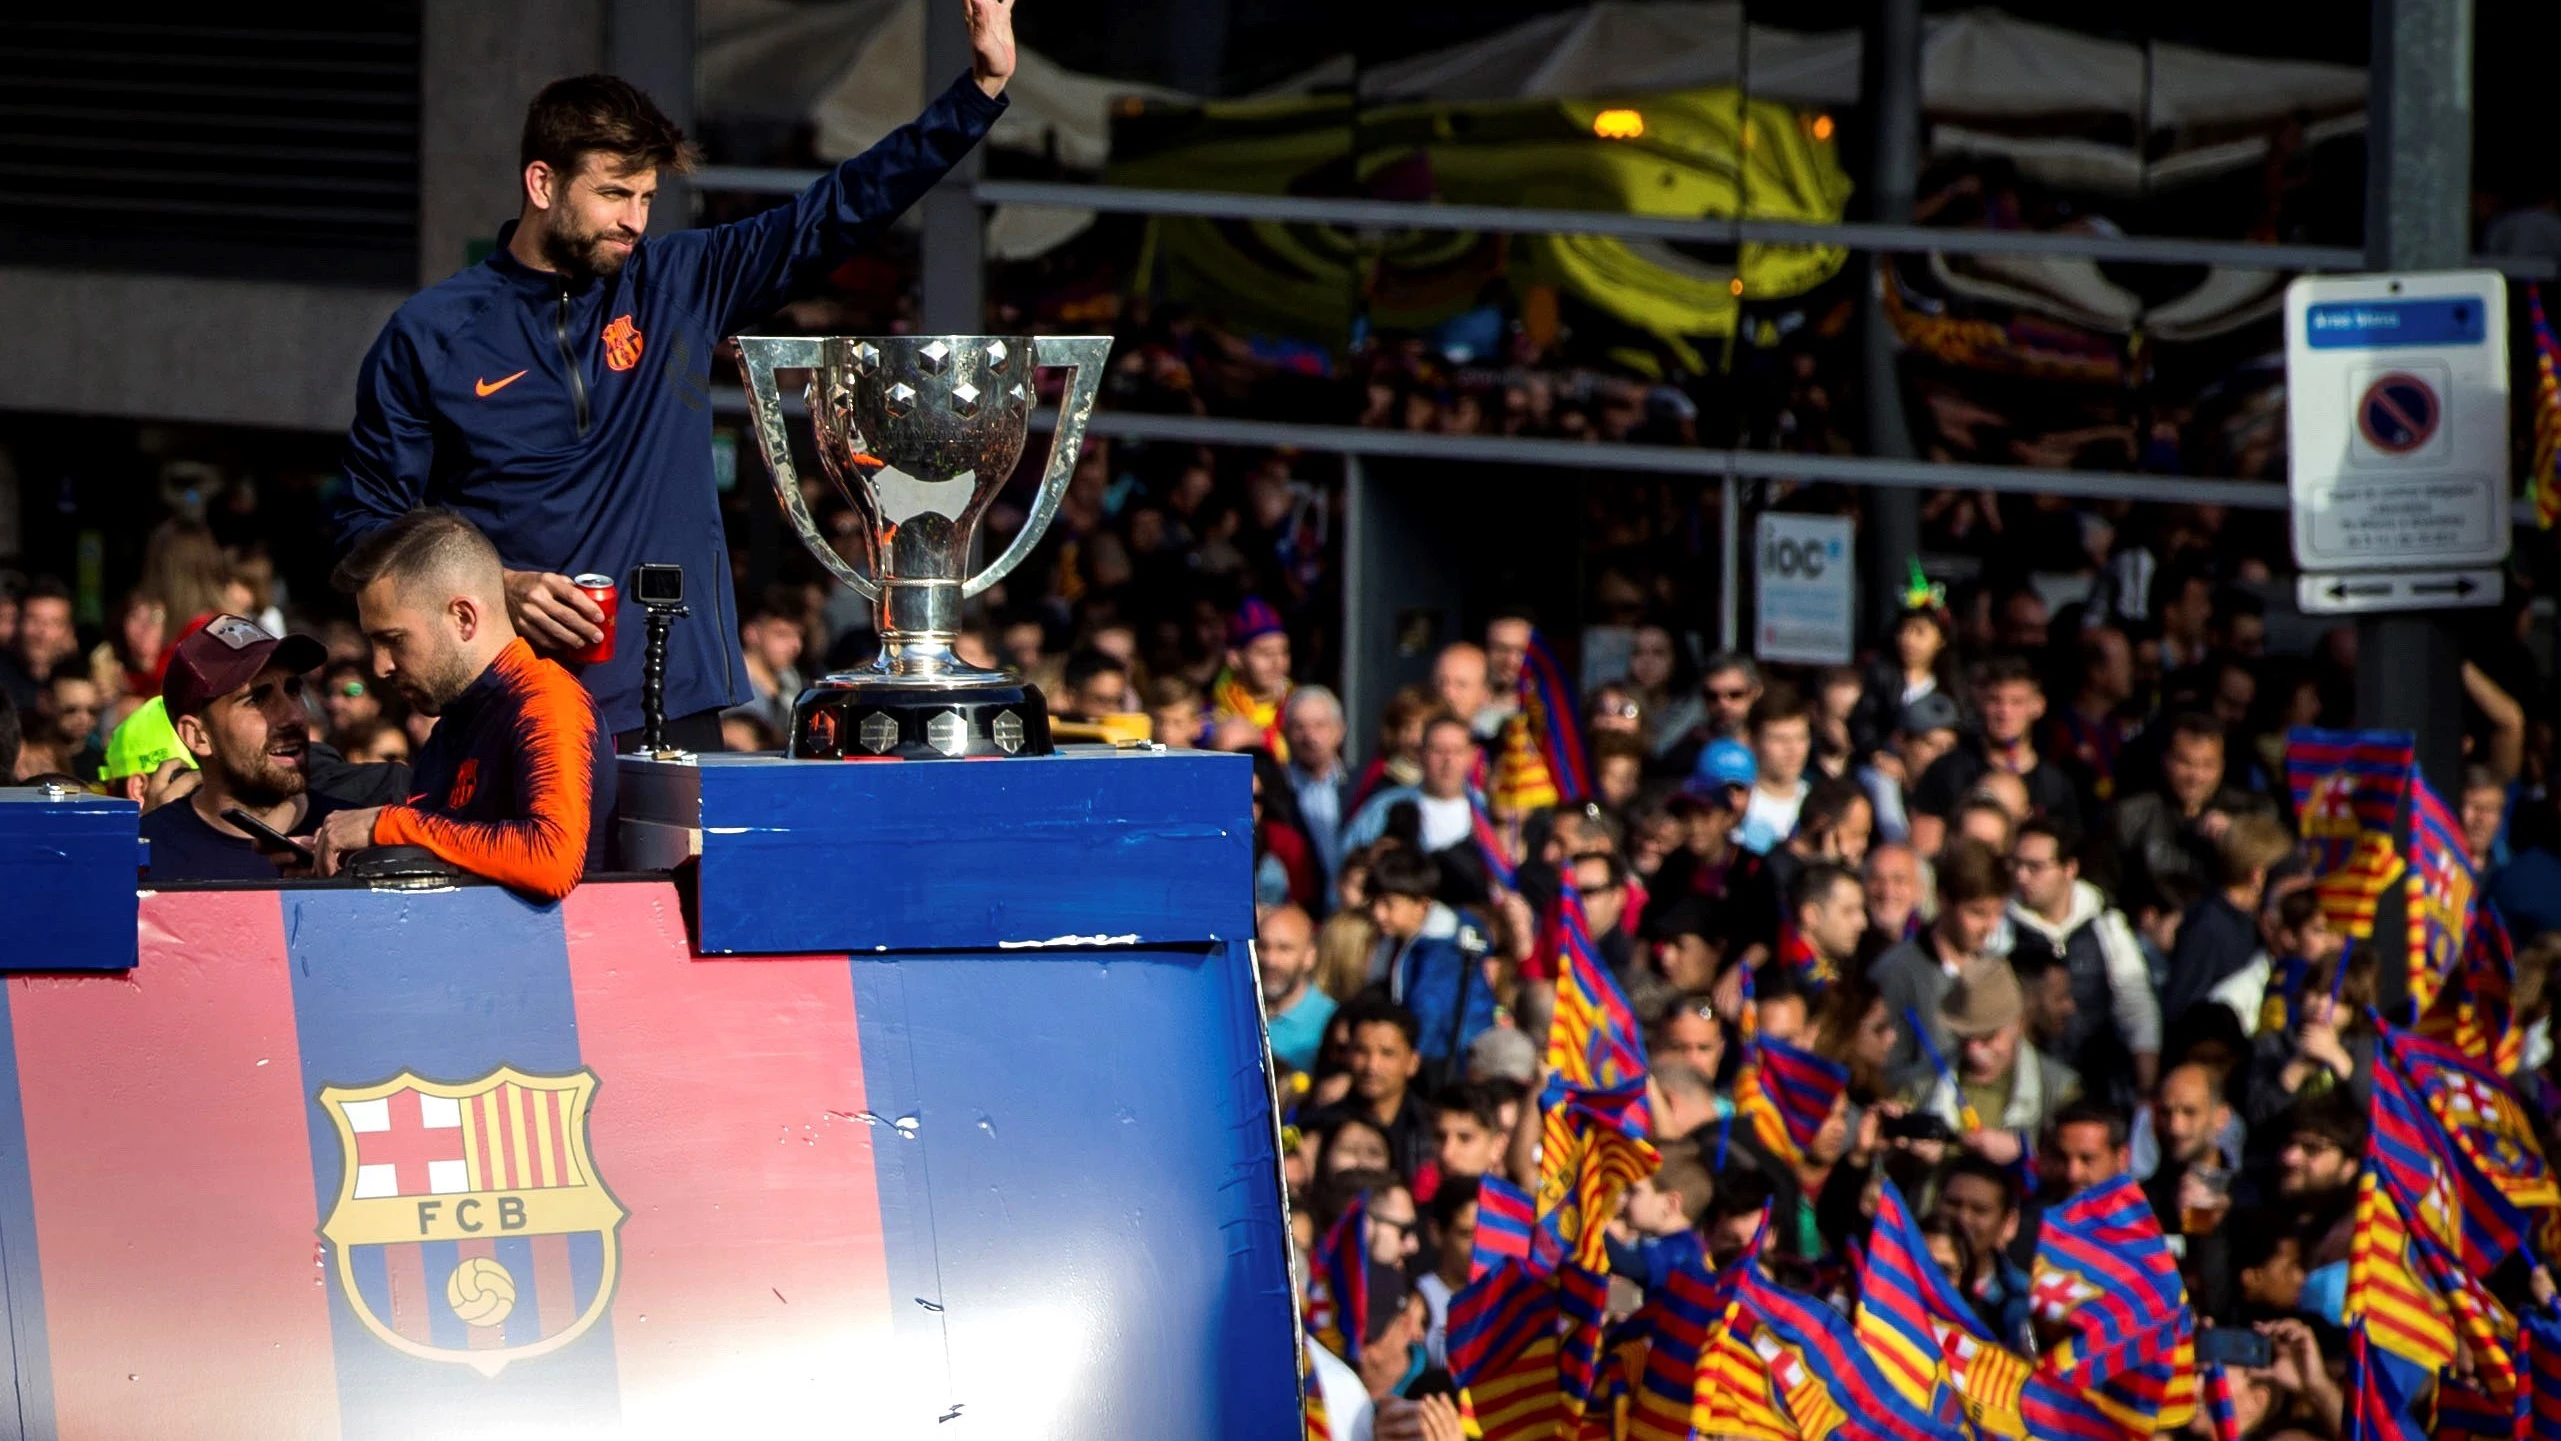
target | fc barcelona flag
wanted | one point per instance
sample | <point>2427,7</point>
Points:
<point>2345,784</point>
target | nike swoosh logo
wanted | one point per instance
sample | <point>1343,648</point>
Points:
<point>487,388</point>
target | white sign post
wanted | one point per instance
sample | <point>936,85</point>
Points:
<point>2397,433</point>
<point>1805,600</point>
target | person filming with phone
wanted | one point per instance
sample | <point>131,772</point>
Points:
<point>511,782</point>
<point>234,697</point>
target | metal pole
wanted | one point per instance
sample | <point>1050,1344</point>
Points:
<point>953,245</point>
<point>2417,217</point>
<point>1894,89</point>
<point>1729,570</point>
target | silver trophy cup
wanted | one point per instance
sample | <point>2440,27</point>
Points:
<point>920,432</point>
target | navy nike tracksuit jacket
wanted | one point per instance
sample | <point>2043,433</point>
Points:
<point>573,425</point>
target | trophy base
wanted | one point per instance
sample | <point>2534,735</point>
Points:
<point>862,718</point>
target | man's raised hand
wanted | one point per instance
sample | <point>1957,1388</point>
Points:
<point>991,44</point>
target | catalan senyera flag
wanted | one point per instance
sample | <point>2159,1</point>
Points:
<point>2104,1270</point>
<point>2345,783</point>
<point>2350,894</point>
<point>1504,1219</point>
<point>2543,485</point>
<point>1820,1341</point>
<point>1895,1312</point>
<point>2440,886</point>
<point>1593,1148</point>
<point>1787,1093</point>
<point>1502,1349</point>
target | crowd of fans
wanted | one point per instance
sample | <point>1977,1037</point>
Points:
<point>2031,879</point>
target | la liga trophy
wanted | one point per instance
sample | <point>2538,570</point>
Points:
<point>920,432</point>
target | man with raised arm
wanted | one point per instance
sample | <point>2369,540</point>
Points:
<point>558,395</point>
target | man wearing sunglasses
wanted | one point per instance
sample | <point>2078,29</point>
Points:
<point>234,697</point>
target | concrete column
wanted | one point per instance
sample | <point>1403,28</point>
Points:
<point>482,61</point>
<point>952,297</point>
<point>651,44</point>
<point>2417,217</point>
<point>1893,91</point>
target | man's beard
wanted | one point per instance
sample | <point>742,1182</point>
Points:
<point>430,690</point>
<point>583,252</point>
<point>258,780</point>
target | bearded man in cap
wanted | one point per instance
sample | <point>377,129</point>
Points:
<point>2003,1092</point>
<point>1247,698</point>
<point>233,694</point>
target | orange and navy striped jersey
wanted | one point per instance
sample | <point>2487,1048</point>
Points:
<point>513,781</point>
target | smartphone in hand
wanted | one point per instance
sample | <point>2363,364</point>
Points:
<point>267,838</point>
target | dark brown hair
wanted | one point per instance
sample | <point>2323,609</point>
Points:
<point>588,114</point>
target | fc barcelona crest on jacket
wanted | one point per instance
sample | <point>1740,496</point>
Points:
<point>471,1225</point>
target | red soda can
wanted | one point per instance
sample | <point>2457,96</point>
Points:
<point>601,590</point>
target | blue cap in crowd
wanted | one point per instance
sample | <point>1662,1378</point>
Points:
<point>1724,763</point>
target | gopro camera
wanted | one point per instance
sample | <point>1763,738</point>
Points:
<point>658,586</point>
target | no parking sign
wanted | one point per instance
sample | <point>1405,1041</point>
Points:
<point>1805,589</point>
<point>2397,430</point>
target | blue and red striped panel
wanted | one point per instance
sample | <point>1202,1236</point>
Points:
<point>160,1223</point>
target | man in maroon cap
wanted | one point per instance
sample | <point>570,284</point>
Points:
<point>234,695</point>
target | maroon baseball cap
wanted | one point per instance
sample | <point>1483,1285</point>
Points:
<point>226,653</point>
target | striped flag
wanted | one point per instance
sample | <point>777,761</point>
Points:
<point>2473,1009</point>
<point>1503,1221</point>
<point>1555,720</point>
<point>1594,1039</point>
<point>2346,783</point>
<point>1797,950</point>
<point>2104,1270</point>
<point>1681,1313</point>
<point>1787,1094</point>
<point>1897,1286</point>
<point>1582,1301</point>
<point>1502,1349</point>
<point>1338,1294</point>
<point>1593,1148</point>
<point>2438,899</point>
<point>1490,843</point>
<point>2539,1388</point>
<point>2426,1163</point>
<point>2218,1403</point>
<point>2488,1125</point>
<point>2543,485</point>
<point>1819,1340</point>
<point>1320,1427</point>
<point>2350,895</point>
<point>2381,1386</point>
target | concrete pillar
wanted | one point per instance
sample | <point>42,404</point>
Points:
<point>651,44</point>
<point>482,61</point>
<point>2417,217</point>
<point>952,298</point>
<point>1893,90</point>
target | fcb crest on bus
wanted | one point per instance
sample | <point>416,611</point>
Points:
<point>471,1226</point>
